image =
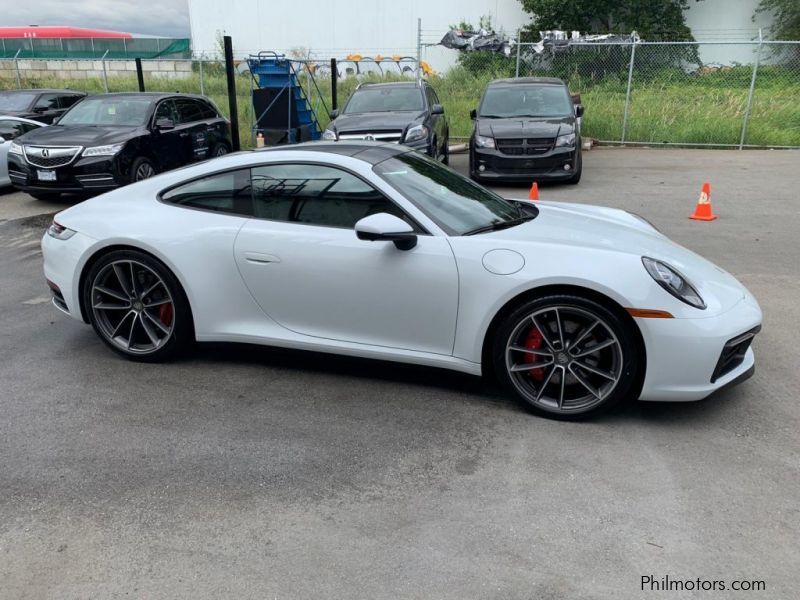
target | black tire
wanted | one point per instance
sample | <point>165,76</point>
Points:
<point>219,150</point>
<point>46,196</point>
<point>141,169</point>
<point>446,151</point>
<point>576,177</point>
<point>180,321</point>
<point>537,388</point>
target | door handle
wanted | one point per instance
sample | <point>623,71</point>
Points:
<point>260,258</point>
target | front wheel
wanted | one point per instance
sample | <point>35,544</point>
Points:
<point>566,357</point>
<point>142,169</point>
<point>576,177</point>
<point>137,307</point>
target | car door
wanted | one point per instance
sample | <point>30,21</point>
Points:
<point>46,108</point>
<point>193,126</point>
<point>439,121</point>
<point>167,144</point>
<point>303,264</point>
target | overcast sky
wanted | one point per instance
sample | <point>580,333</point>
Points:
<point>168,18</point>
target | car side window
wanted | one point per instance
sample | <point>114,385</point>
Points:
<point>317,195</point>
<point>434,96</point>
<point>47,102</point>
<point>208,111</point>
<point>189,110</point>
<point>227,192</point>
<point>10,129</point>
<point>67,101</point>
<point>430,96</point>
<point>166,110</point>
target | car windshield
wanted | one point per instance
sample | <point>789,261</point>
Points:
<point>455,203</point>
<point>518,100</point>
<point>125,111</point>
<point>15,101</point>
<point>384,99</point>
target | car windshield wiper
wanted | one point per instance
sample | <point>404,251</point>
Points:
<point>500,225</point>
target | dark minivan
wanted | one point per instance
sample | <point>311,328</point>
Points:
<point>110,140</point>
<point>404,112</point>
<point>526,129</point>
<point>38,105</point>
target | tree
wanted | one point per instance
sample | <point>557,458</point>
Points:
<point>652,19</point>
<point>786,24</point>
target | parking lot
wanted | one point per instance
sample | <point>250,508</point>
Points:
<point>248,472</point>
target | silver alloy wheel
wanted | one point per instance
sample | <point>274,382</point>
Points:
<point>132,306</point>
<point>564,359</point>
<point>144,171</point>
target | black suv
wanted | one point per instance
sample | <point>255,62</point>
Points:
<point>526,129</point>
<point>110,140</point>
<point>404,113</point>
<point>38,105</point>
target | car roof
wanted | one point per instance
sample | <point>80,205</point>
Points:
<point>153,95</point>
<point>370,152</point>
<point>43,90</point>
<point>393,84</point>
<point>528,80</point>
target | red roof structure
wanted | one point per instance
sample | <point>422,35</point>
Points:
<point>49,32</point>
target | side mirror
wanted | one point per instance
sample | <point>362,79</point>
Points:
<point>473,114</point>
<point>383,227</point>
<point>579,110</point>
<point>165,124</point>
<point>334,113</point>
<point>2,139</point>
<point>55,120</point>
<point>437,109</point>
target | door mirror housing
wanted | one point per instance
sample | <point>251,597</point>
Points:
<point>2,139</point>
<point>579,110</point>
<point>383,227</point>
<point>334,113</point>
<point>165,124</point>
<point>437,109</point>
<point>473,114</point>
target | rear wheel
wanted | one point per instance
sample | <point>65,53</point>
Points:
<point>142,169</point>
<point>219,150</point>
<point>566,357</point>
<point>137,307</point>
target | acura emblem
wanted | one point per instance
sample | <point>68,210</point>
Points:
<point>45,152</point>
<point>369,137</point>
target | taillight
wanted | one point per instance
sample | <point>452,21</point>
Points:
<point>58,231</point>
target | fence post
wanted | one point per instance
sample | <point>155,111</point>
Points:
<point>139,73</point>
<point>202,83</point>
<point>419,48</point>
<point>105,75</point>
<point>516,70</point>
<point>752,88</point>
<point>628,91</point>
<point>16,66</point>
<point>230,78</point>
<point>334,83</point>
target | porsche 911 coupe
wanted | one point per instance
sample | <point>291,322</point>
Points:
<point>373,250</point>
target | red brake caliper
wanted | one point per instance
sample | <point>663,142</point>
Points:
<point>534,342</point>
<point>165,314</point>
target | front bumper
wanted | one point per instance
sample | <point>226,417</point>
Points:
<point>92,174</point>
<point>63,261</point>
<point>684,356</point>
<point>546,166</point>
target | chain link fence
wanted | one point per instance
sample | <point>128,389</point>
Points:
<point>718,94</point>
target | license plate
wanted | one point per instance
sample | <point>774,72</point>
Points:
<point>46,175</point>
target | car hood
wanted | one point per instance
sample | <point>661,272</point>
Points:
<point>79,135</point>
<point>519,127</point>
<point>381,121</point>
<point>604,229</point>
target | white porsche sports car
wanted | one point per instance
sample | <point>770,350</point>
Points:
<point>373,250</point>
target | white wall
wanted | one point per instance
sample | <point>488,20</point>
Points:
<point>335,28</point>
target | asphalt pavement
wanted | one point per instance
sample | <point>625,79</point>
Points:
<point>247,472</point>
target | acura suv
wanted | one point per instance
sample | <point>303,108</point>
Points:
<point>110,140</point>
<point>526,129</point>
<point>38,105</point>
<point>404,112</point>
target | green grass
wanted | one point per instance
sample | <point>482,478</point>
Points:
<point>666,106</point>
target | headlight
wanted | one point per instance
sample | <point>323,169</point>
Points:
<point>565,140</point>
<point>329,134</point>
<point>417,132</point>
<point>110,150</point>
<point>482,141</point>
<point>58,231</point>
<point>672,281</point>
<point>15,148</point>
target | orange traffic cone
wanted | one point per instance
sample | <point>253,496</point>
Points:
<point>703,210</point>
<point>534,193</point>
